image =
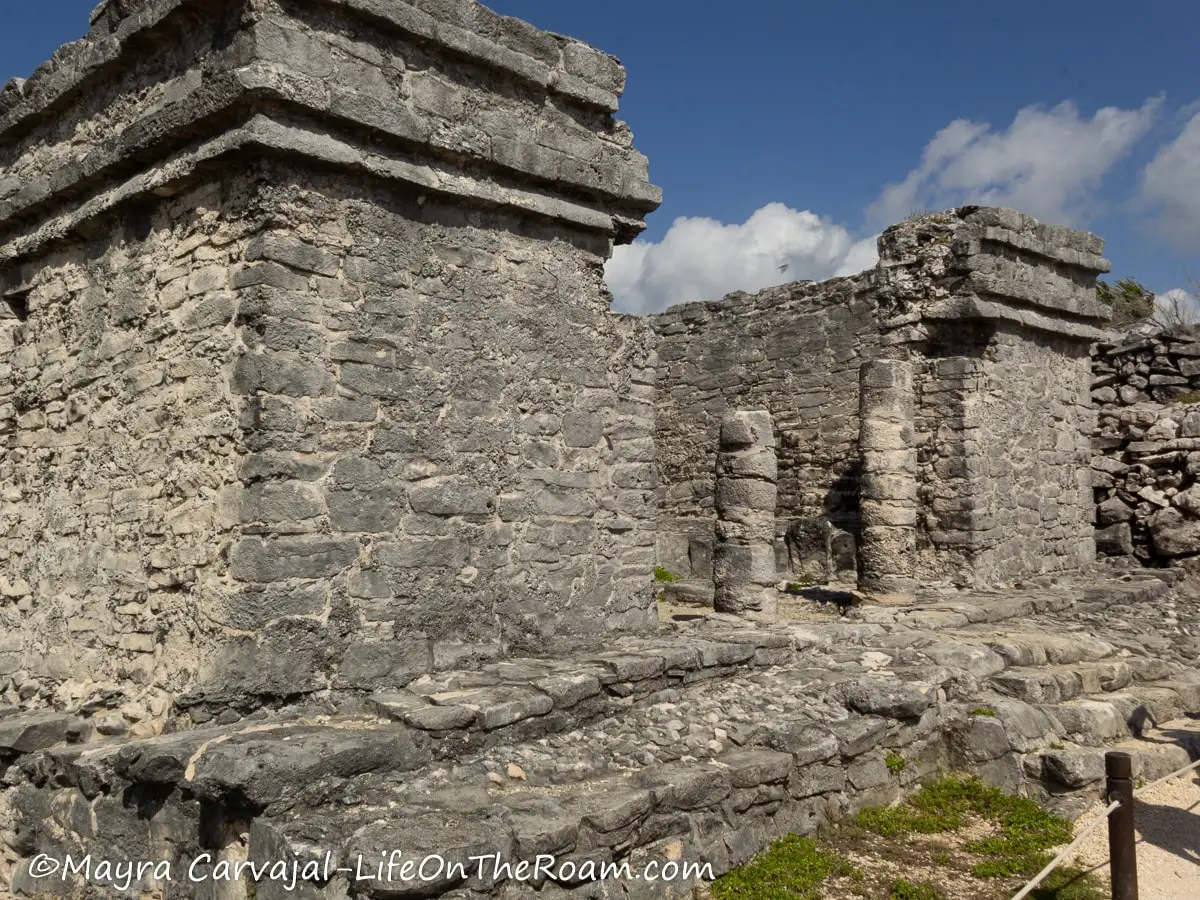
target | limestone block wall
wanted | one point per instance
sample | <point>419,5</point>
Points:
<point>119,436</point>
<point>1030,429</point>
<point>447,448</point>
<point>311,382</point>
<point>794,351</point>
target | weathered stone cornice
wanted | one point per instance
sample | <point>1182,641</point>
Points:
<point>995,263</point>
<point>442,134</point>
<point>263,134</point>
<point>580,72</point>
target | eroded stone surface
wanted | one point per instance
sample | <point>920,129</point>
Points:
<point>645,762</point>
<point>345,479</point>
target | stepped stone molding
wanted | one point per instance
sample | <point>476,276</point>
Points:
<point>412,95</point>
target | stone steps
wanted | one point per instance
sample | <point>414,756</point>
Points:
<point>1138,707</point>
<point>813,751</point>
<point>1054,684</point>
<point>1080,768</point>
<point>809,763</point>
<point>704,743</point>
<point>719,812</point>
<point>552,694</point>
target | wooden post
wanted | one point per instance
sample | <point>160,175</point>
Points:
<point>1122,848</point>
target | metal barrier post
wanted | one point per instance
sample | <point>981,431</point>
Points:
<point>1122,850</point>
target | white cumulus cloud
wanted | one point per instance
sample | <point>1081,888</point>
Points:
<point>1171,186</point>
<point>1178,306</point>
<point>1048,162</point>
<point>703,259</point>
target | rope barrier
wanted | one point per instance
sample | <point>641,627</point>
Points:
<point>1103,817</point>
<point>1054,863</point>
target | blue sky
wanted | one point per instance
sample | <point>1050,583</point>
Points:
<point>789,132</point>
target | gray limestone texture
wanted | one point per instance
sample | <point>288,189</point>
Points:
<point>315,424</point>
<point>744,571</point>
<point>309,374</point>
<point>992,314</point>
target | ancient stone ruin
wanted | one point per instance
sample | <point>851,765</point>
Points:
<point>334,491</point>
<point>1148,448</point>
<point>900,396</point>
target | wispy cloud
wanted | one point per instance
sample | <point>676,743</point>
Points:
<point>1048,163</point>
<point>1170,187</point>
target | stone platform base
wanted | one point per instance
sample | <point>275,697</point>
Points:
<point>701,746</point>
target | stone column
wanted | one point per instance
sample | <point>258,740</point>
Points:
<point>888,489</point>
<point>744,551</point>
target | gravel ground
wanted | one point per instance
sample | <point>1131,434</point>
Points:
<point>1168,830</point>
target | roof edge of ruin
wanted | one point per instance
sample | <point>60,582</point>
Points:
<point>265,136</point>
<point>583,74</point>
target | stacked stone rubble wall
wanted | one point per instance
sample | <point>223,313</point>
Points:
<point>1146,458</point>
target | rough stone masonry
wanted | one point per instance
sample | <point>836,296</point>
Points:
<point>962,458</point>
<point>310,378</point>
<point>333,488</point>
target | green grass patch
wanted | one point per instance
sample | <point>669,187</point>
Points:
<point>1026,831</point>
<point>895,762</point>
<point>906,890</point>
<point>983,711</point>
<point>797,868</point>
<point>665,575</point>
<point>799,586</point>
<point>792,869</point>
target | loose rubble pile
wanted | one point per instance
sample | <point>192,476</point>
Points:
<point>1148,447</point>
<point>703,744</point>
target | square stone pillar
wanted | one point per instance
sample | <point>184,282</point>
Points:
<point>986,316</point>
